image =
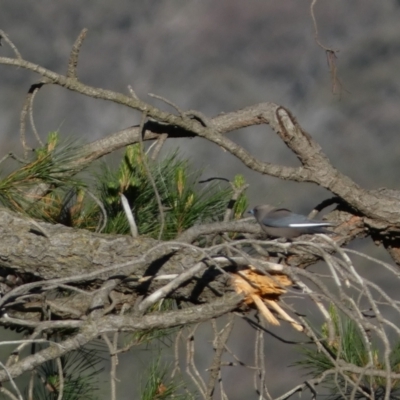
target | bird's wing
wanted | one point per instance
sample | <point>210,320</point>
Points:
<point>283,218</point>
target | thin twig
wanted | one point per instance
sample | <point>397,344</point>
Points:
<point>198,116</point>
<point>321,307</point>
<point>169,287</point>
<point>4,158</point>
<point>73,58</point>
<point>15,353</point>
<point>31,119</point>
<point>150,176</point>
<point>113,304</point>
<point>237,191</point>
<point>27,106</point>
<point>330,53</point>
<point>129,216</point>
<point>39,227</point>
<point>31,385</point>
<point>159,144</point>
<point>345,257</point>
<point>24,342</point>
<point>99,228</point>
<point>12,381</point>
<point>239,362</point>
<point>60,386</point>
<point>99,300</point>
<point>54,307</point>
<point>190,364</point>
<point>132,92</point>
<point>177,368</point>
<point>220,339</point>
<point>11,44</point>
<point>169,102</point>
<point>114,361</point>
<point>307,384</point>
<point>316,34</point>
<point>6,392</point>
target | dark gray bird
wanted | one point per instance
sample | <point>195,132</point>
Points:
<point>280,222</point>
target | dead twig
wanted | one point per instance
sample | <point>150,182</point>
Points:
<point>191,366</point>
<point>169,287</point>
<point>60,387</point>
<point>73,58</point>
<point>112,348</point>
<point>159,144</point>
<point>27,110</point>
<point>220,339</point>
<point>31,119</point>
<point>4,36</point>
<point>13,384</point>
<point>151,179</point>
<point>129,216</point>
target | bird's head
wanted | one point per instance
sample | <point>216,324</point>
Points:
<point>261,210</point>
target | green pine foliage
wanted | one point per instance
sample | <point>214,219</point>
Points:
<point>70,201</point>
<point>158,386</point>
<point>348,345</point>
<point>241,203</point>
<point>184,202</point>
<point>80,371</point>
<point>49,166</point>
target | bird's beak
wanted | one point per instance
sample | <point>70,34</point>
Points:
<point>250,212</point>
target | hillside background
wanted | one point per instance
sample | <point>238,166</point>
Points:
<point>219,56</point>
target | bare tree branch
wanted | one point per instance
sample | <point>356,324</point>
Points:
<point>73,59</point>
<point>93,328</point>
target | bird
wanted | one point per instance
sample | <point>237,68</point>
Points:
<point>282,223</point>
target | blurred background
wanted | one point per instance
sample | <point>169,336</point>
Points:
<point>217,57</point>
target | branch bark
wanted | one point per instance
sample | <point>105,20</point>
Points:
<point>315,168</point>
<point>101,273</point>
<point>92,328</point>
